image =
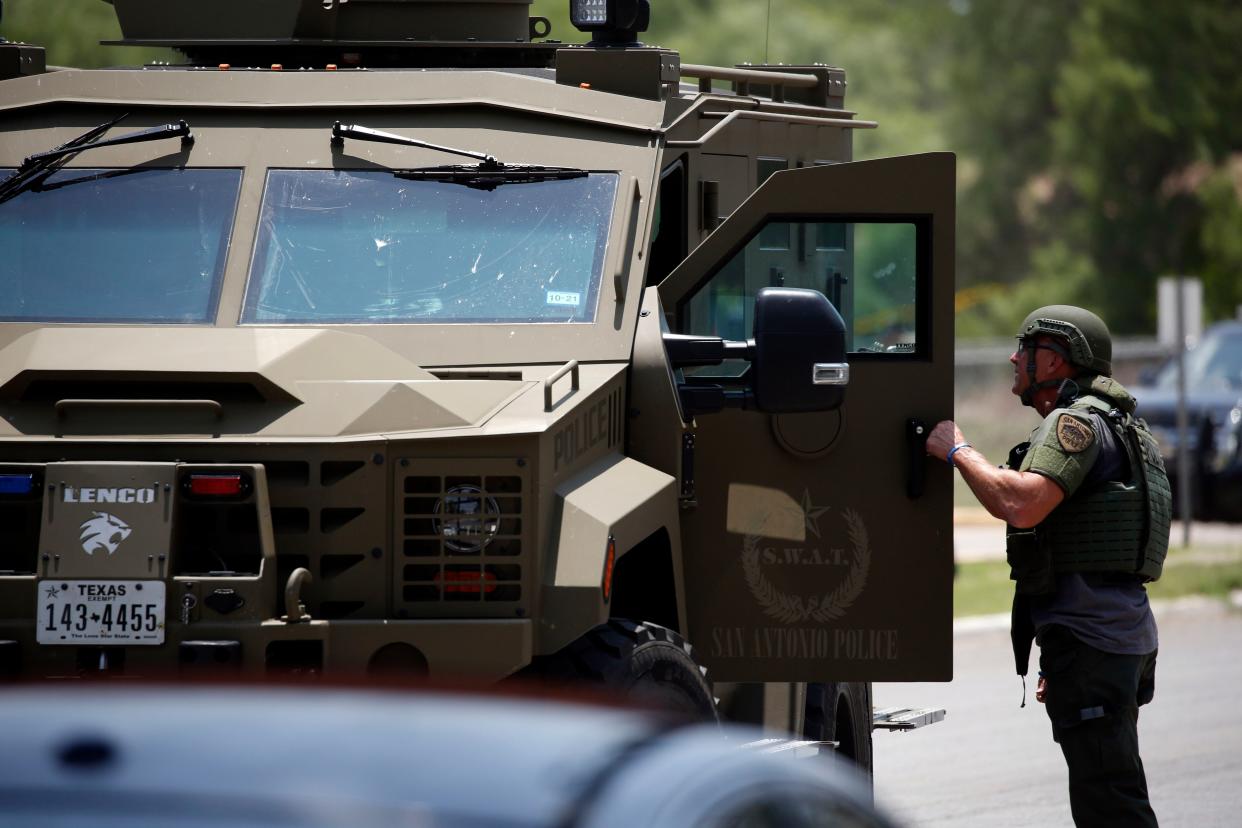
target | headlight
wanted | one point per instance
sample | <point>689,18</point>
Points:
<point>1225,442</point>
<point>466,519</point>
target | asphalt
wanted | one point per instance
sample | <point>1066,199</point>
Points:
<point>993,763</point>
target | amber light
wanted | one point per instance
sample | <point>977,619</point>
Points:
<point>469,581</point>
<point>610,562</point>
<point>216,485</point>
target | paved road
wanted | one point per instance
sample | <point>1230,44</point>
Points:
<point>990,763</point>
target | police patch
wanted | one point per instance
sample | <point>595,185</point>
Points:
<point>1073,434</point>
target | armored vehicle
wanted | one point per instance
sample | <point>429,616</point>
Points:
<point>392,337</point>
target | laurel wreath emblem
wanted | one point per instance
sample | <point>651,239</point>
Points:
<point>792,609</point>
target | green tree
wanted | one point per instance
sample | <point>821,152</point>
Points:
<point>1098,128</point>
<point>71,31</point>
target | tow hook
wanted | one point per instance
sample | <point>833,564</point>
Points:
<point>293,596</point>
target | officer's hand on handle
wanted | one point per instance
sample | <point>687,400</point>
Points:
<point>944,437</point>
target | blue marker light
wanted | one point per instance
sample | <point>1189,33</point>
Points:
<point>16,484</point>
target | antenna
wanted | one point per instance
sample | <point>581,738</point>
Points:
<point>767,33</point>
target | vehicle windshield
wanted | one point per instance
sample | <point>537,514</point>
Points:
<point>341,246</point>
<point>1214,365</point>
<point>117,245</point>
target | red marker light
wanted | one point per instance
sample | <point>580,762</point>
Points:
<point>610,564</point>
<point>471,581</point>
<point>215,485</point>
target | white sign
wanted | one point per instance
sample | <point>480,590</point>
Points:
<point>561,297</point>
<point>1166,310</point>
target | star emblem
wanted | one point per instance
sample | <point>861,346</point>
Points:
<point>51,592</point>
<point>812,513</point>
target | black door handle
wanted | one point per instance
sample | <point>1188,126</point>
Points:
<point>916,459</point>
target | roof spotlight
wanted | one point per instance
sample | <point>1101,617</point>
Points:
<point>612,22</point>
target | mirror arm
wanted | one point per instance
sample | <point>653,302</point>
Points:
<point>691,350</point>
<point>740,350</point>
<point>712,399</point>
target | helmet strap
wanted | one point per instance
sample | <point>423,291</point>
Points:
<point>1034,386</point>
<point>1068,392</point>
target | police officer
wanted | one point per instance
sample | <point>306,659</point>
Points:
<point>1087,504</point>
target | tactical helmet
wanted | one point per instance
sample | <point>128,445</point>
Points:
<point>1090,344</point>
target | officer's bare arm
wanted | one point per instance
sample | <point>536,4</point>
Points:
<point>1021,499</point>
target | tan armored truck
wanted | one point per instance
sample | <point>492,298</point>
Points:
<point>392,337</point>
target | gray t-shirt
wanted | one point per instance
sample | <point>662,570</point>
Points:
<point>1110,616</point>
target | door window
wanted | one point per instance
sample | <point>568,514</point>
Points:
<point>872,271</point>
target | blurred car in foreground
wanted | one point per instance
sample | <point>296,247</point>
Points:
<point>1214,435</point>
<point>109,755</point>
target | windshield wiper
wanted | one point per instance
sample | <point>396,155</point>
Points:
<point>488,174</point>
<point>39,166</point>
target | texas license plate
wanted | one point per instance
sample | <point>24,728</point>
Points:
<point>101,612</point>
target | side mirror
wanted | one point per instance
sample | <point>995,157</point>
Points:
<point>799,352</point>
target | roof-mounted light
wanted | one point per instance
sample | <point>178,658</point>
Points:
<point>613,22</point>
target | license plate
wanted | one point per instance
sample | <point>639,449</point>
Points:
<point>101,612</point>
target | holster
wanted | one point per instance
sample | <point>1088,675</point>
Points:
<point>1030,562</point>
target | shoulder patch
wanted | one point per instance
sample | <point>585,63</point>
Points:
<point>1073,434</point>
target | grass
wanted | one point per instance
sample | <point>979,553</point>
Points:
<point>984,587</point>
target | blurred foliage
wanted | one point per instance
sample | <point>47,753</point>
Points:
<point>71,30</point>
<point>1098,141</point>
<point>1104,134</point>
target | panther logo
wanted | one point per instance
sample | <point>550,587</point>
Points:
<point>103,531</point>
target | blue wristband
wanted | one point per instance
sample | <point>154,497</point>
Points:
<point>949,457</point>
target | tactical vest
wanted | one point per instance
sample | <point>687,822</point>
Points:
<point>1112,527</point>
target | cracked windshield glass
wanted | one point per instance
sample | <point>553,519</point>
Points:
<point>370,247</point>
<point>117,245</point>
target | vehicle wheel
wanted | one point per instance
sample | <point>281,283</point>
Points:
<point>841,712</point>
<point>644,662</point>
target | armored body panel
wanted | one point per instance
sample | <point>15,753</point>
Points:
<point>389,337</point>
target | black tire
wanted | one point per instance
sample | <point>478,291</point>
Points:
<point>640,661</point>
<point>841,712</point>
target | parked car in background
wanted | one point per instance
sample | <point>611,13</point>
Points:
<point>1214,435</point>
<point>98,754</point>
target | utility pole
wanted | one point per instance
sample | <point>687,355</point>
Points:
<point>1183,425</point>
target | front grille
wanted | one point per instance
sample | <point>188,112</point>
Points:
<point>461,537</point>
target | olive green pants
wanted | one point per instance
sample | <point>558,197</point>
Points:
<point>1092,699</point>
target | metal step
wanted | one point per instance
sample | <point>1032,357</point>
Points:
<point>906,718</point>
<point>794,748</point>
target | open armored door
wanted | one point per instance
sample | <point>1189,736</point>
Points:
<point>819,545</point>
